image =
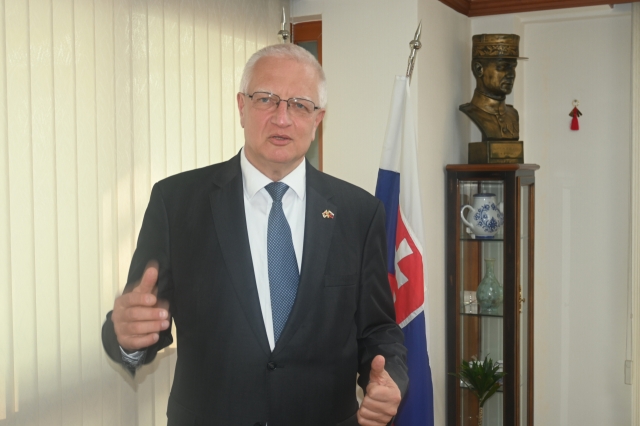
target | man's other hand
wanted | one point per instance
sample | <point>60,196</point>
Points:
<point>382,397</point>
<point>138,317</point>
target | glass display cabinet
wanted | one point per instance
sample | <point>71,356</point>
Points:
<point>489,288</point>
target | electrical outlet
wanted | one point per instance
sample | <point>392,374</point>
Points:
<point>627,372</point>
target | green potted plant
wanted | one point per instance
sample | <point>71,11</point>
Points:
<point>482,378</point>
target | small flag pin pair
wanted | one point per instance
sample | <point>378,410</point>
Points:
<point>328,214</point>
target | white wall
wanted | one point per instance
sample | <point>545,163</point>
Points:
<point>582,219</point>
<point>583,226</point>
<point>442,134</point>
<point>635,212</point>
<point>365,44</point>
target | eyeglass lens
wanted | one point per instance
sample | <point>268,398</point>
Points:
<point>266,101</point>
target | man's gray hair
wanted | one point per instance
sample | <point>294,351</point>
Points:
<point>286,51</point>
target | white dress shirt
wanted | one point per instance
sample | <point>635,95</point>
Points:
<point>257,205</point>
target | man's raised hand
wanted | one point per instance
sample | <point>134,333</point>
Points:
<point>138,317</point>
<point>382,397</point>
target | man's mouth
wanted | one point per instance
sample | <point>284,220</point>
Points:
<point>280,139</point>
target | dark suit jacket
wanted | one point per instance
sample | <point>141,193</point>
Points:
<point>343,315</point>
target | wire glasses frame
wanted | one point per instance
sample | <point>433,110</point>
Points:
<point>266,101</point>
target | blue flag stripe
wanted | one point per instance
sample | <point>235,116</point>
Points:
<point>417,406</point>
<point>388,191</point>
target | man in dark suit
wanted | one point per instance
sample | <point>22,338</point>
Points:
<point>273,272</point>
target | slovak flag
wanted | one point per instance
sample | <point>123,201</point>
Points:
<point>398,189</point>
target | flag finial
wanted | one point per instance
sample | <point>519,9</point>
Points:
<point>414,45</point>
<point>284,33</point>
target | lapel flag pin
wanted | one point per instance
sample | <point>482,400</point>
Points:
<point>327,214</point>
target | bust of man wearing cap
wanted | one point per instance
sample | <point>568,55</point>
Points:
<point>494,61</point>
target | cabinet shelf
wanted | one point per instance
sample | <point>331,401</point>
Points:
<point>466,314</point>
<point>463,386</point>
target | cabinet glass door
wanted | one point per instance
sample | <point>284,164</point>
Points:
<point>481,328</point>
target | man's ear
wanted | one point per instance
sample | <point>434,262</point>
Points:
<point>318,119</point>
<point>240,99</point>
<point>477,69</point>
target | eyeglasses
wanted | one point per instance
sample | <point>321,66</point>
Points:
<point>265,101</point>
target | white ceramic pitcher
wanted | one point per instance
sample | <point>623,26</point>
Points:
<point>484,218</point>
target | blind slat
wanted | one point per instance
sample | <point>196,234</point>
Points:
<point>44,208</point>
<point>6,305</point>
<point>21,211</point>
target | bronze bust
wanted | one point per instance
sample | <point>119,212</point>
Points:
<point>494,61</point>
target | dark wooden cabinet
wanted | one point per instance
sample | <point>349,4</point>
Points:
<point>496,7</point>
<point>505,333</point>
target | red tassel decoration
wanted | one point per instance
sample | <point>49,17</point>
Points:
<point>575,113</point>
<point>575,125</point>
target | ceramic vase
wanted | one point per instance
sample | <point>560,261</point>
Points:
<point>489,293</point>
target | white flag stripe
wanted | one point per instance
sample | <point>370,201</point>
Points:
<point>410,318</point>
<point>410,199</point>
<point>403,156</point>
<point>390,159</point>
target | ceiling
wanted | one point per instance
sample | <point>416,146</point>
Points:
<point>497,7</point>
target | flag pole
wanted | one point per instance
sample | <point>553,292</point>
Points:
<point>284,33</point>
<point>414,45</point>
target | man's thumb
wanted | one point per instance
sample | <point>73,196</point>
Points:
<point>149,278</point>
<point>377,367</point>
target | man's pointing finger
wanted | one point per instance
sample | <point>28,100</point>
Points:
<point>149,279</point>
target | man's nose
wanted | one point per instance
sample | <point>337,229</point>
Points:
<point>281,114</point>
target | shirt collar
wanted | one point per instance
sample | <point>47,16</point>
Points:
<point>253,179</point>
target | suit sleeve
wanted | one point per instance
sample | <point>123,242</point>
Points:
<point>153,244</point>
<point>378,332</point>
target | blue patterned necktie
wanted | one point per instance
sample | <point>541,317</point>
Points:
<point>281,258</point>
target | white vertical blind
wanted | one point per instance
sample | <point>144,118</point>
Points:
<point>99,100</point>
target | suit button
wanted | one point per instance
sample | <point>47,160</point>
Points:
<point>271,366</point>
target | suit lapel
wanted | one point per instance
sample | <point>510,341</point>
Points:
<point>318,232</point>
<point>227,208</point>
